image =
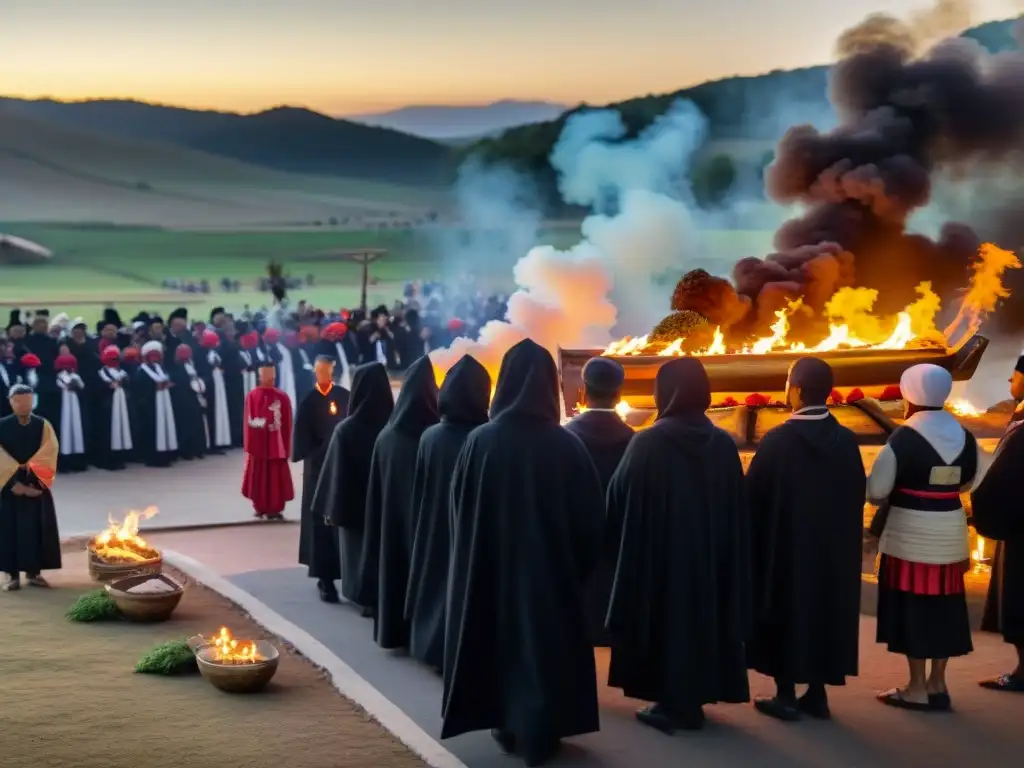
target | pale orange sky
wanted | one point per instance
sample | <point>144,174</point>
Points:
<point>348,56</point>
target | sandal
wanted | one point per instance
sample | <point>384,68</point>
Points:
<point>897,698</point>
<point>1008,683</point>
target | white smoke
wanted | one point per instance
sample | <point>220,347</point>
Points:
<point>642,228</point>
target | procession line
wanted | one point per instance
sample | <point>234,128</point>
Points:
<point>346,680</point>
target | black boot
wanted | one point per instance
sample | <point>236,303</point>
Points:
<point>658,716</point>
<point>815,702</point>
<point>783,705</point>
<point>328,592</point>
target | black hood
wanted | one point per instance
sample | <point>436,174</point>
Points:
<point>691,432</point>
<point>371,401</point>
<point>599,428</point>
<point>465,393</point>
<point>821,435</point>
<point>527,385</point>
<point>417,407</point>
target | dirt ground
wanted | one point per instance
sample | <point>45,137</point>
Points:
<point>71,698</point>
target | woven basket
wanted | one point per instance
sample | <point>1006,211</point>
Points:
<point>145,607</point>
<point>102,571</point>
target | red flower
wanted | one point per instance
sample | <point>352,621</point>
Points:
<point>30,361</point>
<point>730,402</point>
<point>757,400</point>
<point>855,394</point>
<point>836,397</point>
<point>892,392</point>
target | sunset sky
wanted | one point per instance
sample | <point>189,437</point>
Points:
<point>351,56</point>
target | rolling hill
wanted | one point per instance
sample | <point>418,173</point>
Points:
<point>52,172</point>
<point>741,110</point>
<point>444,123</point>
<point>285,138</point>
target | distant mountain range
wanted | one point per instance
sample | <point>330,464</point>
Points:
<point>444,123</point>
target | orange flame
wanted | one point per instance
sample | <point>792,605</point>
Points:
<point>228,650</point>
<point>121,543</point>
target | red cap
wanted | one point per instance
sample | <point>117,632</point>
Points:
<point>130,353</point>
<point>335,331</point>
<point>271,336</point>
<point>110,355</point>
<point>249,340</point>
<point>65,363</point>
<point>345,314</point>
<point>30,361</point>
<point>182,353</point>
<point>308,333</point>
<point>455,324</point>
<point>210,340</point>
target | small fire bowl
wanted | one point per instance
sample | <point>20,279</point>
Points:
<point>102,571</point>
<point>239,678</point>
<point>143,607</point>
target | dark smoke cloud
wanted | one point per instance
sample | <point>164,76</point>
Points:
<point>902,117</point>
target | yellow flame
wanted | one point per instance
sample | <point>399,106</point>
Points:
<point>228,650</point>
<point>120,541</point>
<point>333,408</point>
<point>963,407</point>
<point>985,290</point>
<point>622,408</point>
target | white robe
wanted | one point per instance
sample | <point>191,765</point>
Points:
<point>219,417</point>
<point>286,375</point>
<point>72,436</point>
<point>345,379</point>
<point>248,376</point>
<point>198,386</point>
<point>120,421</point>
<point>166,432</point>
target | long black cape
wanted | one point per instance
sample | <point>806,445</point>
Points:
<point>189,413</point>
<point>29,539</point>
<point>464,398</point>
<point>998,515</point>
<point>341,488</point>
<point>389,526</point>
<point>527,509</point>
<point>806,491</point>
<point>314,426</point>
<point>102,403</point>
<point>680,604</point>
<point>144,434</point>
<point>606,438</point>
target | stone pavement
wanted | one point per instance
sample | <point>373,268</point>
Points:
<point>984,730</point>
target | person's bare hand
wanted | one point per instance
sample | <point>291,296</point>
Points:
<point>32,493</point>
<point>18,489</point>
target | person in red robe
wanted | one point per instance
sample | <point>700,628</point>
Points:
<point>267,480</point>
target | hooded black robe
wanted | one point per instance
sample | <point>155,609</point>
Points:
<point>998,515</point>
<point>464,399</point>
<point>29,538</point>
<point>606,437</point>
<point>389,526</point>
<point>314,426</point>
<point>680,605</point>
<point>806,488</point>
<point>189,410</point>
<point>47,392</point>
<point>232,368</point>
<point>103,454</point>
<point>341,488</point>
<point>527,509</point>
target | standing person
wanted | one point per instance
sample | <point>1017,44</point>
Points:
<point>335,335</point>
<point>45,349</point>
<point>218,416</point>
<point>319,413</point>
<point>920,473</point>
<point>8,375</point>
<point>29,539</point>
<point>806,565</point>
<point>997,515</point>
<point>606,437</point>
<point>340,496</point>
<point>112,423</point>
<point>302,367</point>
<point>680,605</point>
<point>188,395</point>
<point>231,360</point>
<point>72,430</point>
<point>527,508</point>
<point>462,403</point>
<point>389,527</point>
<point>279,352</point>
<point>250,358</point>
<point>157,441</point>
<point>267,480</point>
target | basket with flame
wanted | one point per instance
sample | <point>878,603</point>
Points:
<point>233,665</point>
<point>119,551</point>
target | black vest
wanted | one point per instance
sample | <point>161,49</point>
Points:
<point>916,461</point>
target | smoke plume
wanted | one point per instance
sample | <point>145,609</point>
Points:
<point>906,112</point>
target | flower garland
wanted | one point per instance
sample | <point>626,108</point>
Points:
<point>758,400</point>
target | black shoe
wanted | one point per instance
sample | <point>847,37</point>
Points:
<point>780,709</point>
<point>328,592</point>
<point>815,706</point>
<point>540,753</point>
<point>940,702</point>
<point>656,716</point>
<point>506,741</point>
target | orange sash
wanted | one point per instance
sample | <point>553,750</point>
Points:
<point>43,464</point>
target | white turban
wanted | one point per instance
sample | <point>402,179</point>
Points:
<point>926,385</point>
<point>152,346</point>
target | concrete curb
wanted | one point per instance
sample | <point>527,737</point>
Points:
<point>152,531</point>
<point>345,679</point>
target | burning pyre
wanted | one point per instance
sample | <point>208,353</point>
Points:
<point>226,649</point>
<point>120,543</point>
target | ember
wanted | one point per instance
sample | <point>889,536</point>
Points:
<point>228,650</point>
<point>121,543</point>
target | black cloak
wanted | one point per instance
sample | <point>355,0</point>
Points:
<point>189,412</point>
<point>29,539</point>
<point>680,604</point>
<point>389,526</point>
<point>806,488</point>
<point>341,488</point>
<point>527,507</point>
<point>102,404</point>
<point>606,437</point>
<point>314,425</point>
<point>231,363</point>
<point>145,418</point>
<point>998,515</point>
<point>464,398</point>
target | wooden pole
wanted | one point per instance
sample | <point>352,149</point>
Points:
<point>366,279</point>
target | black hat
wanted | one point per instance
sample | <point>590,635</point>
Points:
<point>15,318</point>
<point>42,313</point>
<point>156,319</point>
<point>216,311</point>
<point>142,317</point>
<point>1019,367</point>
<point>179,314</point>
<point>111,317</point>
<point>603,376</point>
